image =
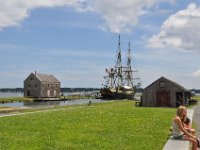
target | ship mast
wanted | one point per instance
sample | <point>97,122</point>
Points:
<point>129,55</point>
<point>118,66</point>
<point>128,69</point>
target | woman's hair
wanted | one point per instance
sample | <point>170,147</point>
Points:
<point>180,110</point>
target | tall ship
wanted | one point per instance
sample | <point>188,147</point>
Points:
<point>120,82</point>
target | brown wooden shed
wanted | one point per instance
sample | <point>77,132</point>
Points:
<point>39,85</point>
<point>165,93</point>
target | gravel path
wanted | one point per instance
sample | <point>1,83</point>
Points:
<point>196,119</point>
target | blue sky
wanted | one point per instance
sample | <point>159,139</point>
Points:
<point>75,40</point>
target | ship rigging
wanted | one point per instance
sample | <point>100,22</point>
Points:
<point>120,83</point>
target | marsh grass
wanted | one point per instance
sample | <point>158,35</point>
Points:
<point>117,125</point>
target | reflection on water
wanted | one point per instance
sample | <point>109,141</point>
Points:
<point>51,103</point>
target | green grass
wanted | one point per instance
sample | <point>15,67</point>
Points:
<point>196,97</point>
<point>9,99</point>
<point>117,125</point>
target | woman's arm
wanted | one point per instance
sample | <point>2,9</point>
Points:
<point>179,123</point>
<point>186,127</point>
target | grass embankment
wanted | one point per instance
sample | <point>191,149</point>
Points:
<point>117,125</point>
<point>11,100</point>
<point>14,99</point>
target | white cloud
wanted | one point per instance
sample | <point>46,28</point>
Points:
<point>12,12</point>
<point>121,16</point>
<point>180,31</point>
<point>118,15</point>
<point>196,74</point>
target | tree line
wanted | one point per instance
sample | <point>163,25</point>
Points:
<point>66,89</point>
<point>21,90</point>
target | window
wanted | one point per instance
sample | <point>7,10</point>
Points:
<point>162,84</point>
<point>35,85</point>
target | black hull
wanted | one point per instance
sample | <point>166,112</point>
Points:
<point>106,93</point>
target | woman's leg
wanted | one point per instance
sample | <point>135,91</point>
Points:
<point>192,131</point>
<point>194,141</point>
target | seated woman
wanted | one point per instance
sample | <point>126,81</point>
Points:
<point>179,132</point>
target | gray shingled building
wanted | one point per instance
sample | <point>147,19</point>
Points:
<point>39,85</point>
<point>165,93</point>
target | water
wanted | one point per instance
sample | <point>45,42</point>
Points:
<point>46,103</point>
<point>20,94</point>
<point>35,104</point>
<point>11,94</point>
<point>197,94</point>
<point>50,103</point>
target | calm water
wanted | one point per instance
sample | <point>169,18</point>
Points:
<point>46,104</point>
<point>11,94</point>
<point>19,94</point>
<point>52,103</point>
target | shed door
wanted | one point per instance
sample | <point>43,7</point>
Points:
<point>163,99</point>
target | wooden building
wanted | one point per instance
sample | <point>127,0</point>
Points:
<point>41,86</point>
<point>165,93</point>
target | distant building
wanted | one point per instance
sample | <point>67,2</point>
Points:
<point>41,86</point>
<point>165,93</point>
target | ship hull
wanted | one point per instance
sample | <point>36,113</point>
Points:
<point>107,93</point>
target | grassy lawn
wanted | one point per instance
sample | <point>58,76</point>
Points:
<point>116,125</point>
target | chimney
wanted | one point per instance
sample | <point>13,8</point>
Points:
<point>35,72</point>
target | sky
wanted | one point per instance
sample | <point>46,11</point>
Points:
<point>76,40</point>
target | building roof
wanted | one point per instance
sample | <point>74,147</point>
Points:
<point>174,83</point>
<point>46,77</point>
